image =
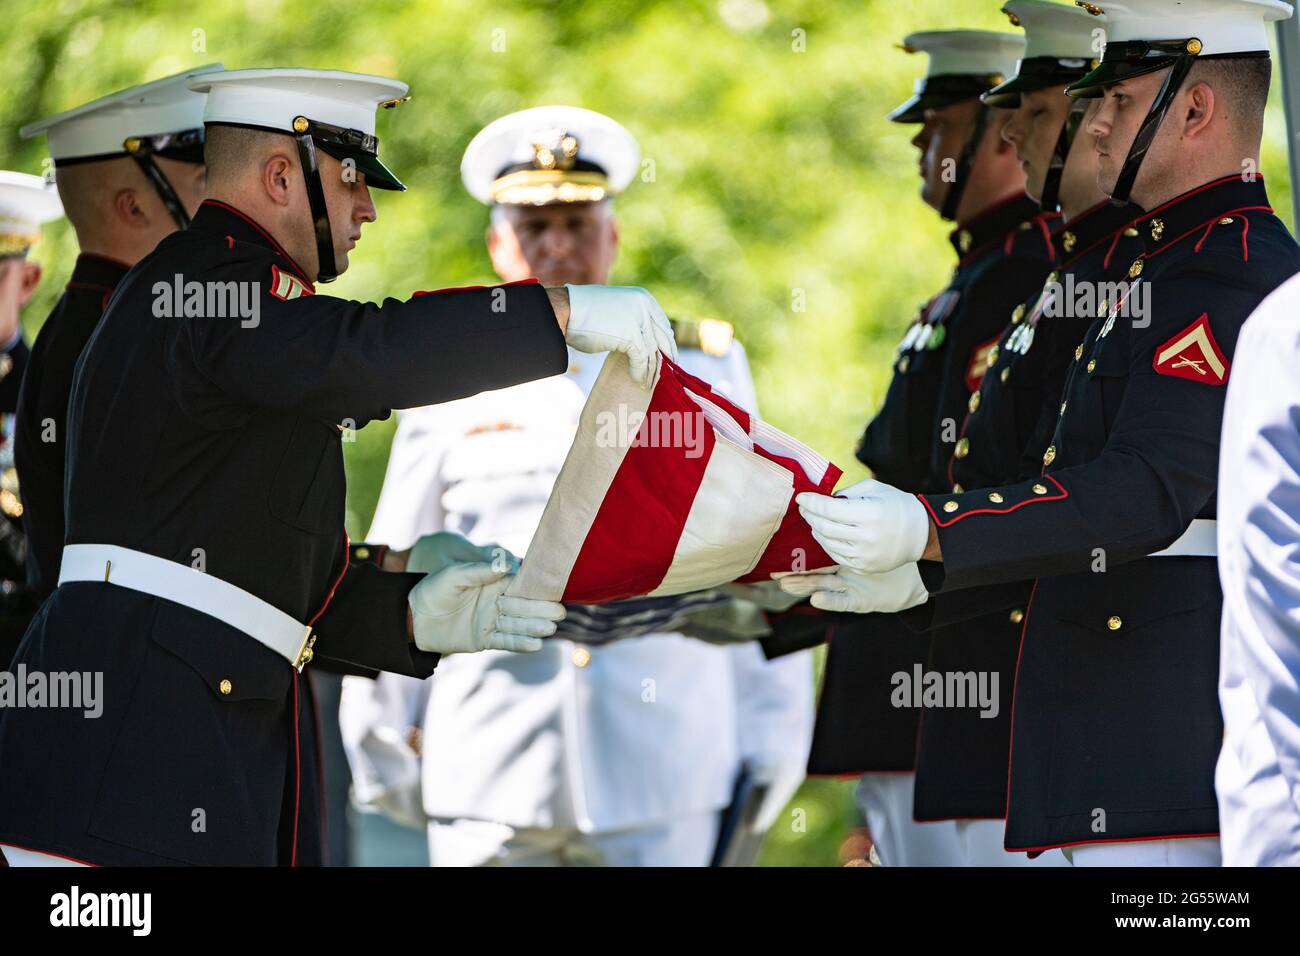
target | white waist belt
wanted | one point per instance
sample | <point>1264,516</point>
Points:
<point>1200,540</point>
<point>110,564</point>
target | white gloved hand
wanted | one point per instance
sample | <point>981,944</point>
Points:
<point>433,552</point>
<point>613,318</point>
<point>463,609</point>
<point>847,590</point>
<point>874,528</point>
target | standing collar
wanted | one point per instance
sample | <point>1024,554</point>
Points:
<point>97,273</point>
<point>990,228</point>
<point>217,218</point>
<point>1092,227</point>
<point>1184,215</point>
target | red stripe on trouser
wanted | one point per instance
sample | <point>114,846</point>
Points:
<point>646,507</point>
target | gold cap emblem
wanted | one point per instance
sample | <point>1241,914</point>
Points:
<point>300,124</point>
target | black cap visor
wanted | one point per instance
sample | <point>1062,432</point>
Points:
<point>937,92</point>
<point>1040,73</point>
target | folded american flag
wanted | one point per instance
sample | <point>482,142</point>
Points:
<point>670,490</point>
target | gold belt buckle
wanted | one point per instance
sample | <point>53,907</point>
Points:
<point>306,653</point>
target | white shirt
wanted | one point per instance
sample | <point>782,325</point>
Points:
<point>1258,774</point>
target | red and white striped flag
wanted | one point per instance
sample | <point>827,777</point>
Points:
<point>670,490</point>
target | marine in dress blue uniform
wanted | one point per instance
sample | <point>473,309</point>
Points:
<point>1009,419</point>
<point>222,448</point>
<point>26,203</point>
<point>1003,250</point>
<point>146,127</point>
<point>1116,726</point>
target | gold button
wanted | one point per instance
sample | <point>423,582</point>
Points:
<point>1092,364</point>
<point>1017,616</point>
<point>1005,374</point>
<point>581,657</point>
<point>963,448</point>
<point>1017,314</point>
<point>1225,221</point>
<point>1193,46</point>
<point>226,686</point>
<point>974,402</point>
<point>1040,489</point>
<point>1052,278</point>
<point>1049,456</point>
<point>950,506</point>
<point>993,357</point>
<point>957,489</point>
<point>363,554</point>
<point>1130,232</point>
<point>300,124</point>
<point>1114,622</point>
<point>995,497</point>
<point>1078,352</point>
<point>904,362</point>
<point>1135,269</point>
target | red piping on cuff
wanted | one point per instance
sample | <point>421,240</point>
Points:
<point>942,523</point>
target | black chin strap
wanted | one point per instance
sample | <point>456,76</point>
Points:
<point>1051,198</point>
<point>964,163</point>
<point>164,188</point>
<point>1147,133</point>
<point>327,271</point>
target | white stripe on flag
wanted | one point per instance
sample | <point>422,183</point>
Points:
<point>737,509</point>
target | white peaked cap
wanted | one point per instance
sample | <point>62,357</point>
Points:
<point>26,202</point>
<point>272,99</point>
<point>1056,30</point>
<point>101,127</point>
<point>967,52</point>
<point>1222,26</point>
<point>532,142</point>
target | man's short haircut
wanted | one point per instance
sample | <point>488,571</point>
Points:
<point>229,150</point>
<point>1241,87</point>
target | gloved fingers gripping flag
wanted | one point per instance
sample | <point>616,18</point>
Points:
<point>671,490</point>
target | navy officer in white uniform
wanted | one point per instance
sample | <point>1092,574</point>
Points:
<point>620,754</point>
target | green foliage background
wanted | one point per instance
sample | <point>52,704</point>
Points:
<point>775,174</point>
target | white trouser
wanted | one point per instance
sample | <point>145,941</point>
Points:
<point>1202,851</point>
<point>982,845</point>
<point>886,801</point>
<point>16,857</point>
<point>685,842</point>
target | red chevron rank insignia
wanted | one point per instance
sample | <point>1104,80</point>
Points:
<point>286,286</point>
<point>1193,354</point>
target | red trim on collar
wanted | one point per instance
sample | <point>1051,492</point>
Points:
<point>1206,225</point>
<point>302,274</point>
<point>1232,177</point>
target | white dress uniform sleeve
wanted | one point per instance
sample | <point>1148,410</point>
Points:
<point>1258,776</point>
<point>774,699</point>
<point>410,503</point>
<point>379,721</point>
<point>774,703</point>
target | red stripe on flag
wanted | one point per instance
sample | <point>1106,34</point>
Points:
<point>630,545</point>
<point>793,547</point>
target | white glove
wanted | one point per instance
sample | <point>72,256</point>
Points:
<point>614,318</point>
<point>846,590</point>
<point>874,528</point>
<point>433,552</point>
<point>463,608</point>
